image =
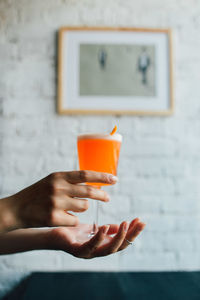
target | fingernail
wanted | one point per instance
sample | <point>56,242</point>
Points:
<point>105,229</point>
<point>112,178</point>
<point>126,225</point>
<point>107,198</point>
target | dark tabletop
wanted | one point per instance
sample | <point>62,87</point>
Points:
<point>108,286</point>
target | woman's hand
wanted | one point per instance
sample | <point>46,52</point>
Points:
<point>74,240</point>
<point>47,202</point>
<point>109,239</point>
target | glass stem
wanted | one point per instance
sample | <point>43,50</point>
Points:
<point>96,216</point>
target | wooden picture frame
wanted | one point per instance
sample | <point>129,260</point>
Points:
<point>70,102</point>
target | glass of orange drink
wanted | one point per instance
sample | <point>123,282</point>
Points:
<point>99,152</point>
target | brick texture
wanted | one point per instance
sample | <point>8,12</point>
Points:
<point>159,169</point>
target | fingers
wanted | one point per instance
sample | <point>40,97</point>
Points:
<point>115,243</point>
<point>113,229</point>
<point>87,191</point>
<point>135,229</point>
<point>68,197</point>
<point>63,198</point>
<point>89,247</point>
<point>133,223</point>
<point>102,244</point>
<point>72,204</point>
<point>63,192</point>
<point>118,238</point>
<point>89,176</point>
<point>77,205</point>
<point>61,218</point>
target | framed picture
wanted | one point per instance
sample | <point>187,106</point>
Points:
<point>115,71</point>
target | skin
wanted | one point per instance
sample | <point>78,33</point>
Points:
<point>108,240</point>
<point>47,202</point>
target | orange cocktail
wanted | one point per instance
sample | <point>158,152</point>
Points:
<point>99,152</point>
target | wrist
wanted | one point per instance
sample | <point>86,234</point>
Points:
<point>52,238</point>
<point>41,239</point>
<point>22,240</point>
<point>45,239</point>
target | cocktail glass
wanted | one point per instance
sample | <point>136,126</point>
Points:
<point>99,152</point>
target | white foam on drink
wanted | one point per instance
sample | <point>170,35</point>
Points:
<point>100,136</point>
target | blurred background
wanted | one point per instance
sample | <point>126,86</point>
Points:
<point>159,169</point>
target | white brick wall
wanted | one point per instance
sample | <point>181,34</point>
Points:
<point>160,159</point>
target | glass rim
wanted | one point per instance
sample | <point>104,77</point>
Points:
<point>101,136</point>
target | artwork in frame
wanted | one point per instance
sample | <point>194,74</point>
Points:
<point>115,71</point>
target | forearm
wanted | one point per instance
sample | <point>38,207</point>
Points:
<point>7,215</point>
<point>22,240</point>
